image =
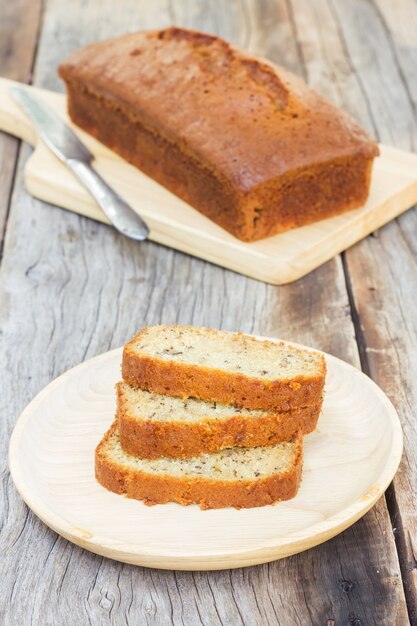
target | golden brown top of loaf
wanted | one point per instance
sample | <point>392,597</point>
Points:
<point>253,120</point>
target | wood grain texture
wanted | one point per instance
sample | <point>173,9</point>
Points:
<point>172,222</point>
<point>71,288</point>
<point>19,22</point>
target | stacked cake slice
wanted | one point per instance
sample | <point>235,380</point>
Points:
<point>210,417</point>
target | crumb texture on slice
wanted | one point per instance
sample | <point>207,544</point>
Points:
<point>147,405</point>
<point>153,425</point>
<point>231,352</point>
<point>233,464</point>
<point>239,477</point>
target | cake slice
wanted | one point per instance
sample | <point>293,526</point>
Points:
<point>230,368</point>
<point>152,425</point>
<point>236,477</point>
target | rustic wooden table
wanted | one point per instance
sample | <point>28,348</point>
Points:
<point>71,288</point>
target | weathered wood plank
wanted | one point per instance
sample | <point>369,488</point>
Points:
<point>399,22</point>
<point>383,270</point>
<point>19,26</point>
<point>71,288</point>
<point>386,312</point>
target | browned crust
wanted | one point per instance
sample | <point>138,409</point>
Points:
<point>151,439</point>
<point>290,201</point>
<point>209,494</point>
<point>183,380</point>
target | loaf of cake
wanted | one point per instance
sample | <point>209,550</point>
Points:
<point>153,425</point>
<point>230,368</point>
<point>236,477</point>
<point>243,141</point>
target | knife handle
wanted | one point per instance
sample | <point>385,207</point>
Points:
<point>120,214</point>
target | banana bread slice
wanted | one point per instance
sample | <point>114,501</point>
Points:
<point>230,368</point>
<point>245,142</point>
<point>153,425</point>
<point>236,477</point>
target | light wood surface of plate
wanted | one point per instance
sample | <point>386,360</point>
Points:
<point>349,461</point>
<point>277,260</point>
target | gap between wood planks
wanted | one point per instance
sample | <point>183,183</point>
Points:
<point>392,505</point>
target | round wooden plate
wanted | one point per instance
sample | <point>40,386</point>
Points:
<point>349,462</point>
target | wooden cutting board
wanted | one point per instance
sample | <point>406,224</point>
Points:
<point>277,260</point>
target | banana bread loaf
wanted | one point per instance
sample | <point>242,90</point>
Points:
<point>243,141</point>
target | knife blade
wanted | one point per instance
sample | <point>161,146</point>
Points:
<point>64,143</point>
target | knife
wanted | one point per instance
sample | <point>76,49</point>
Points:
<point>68,148</point>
